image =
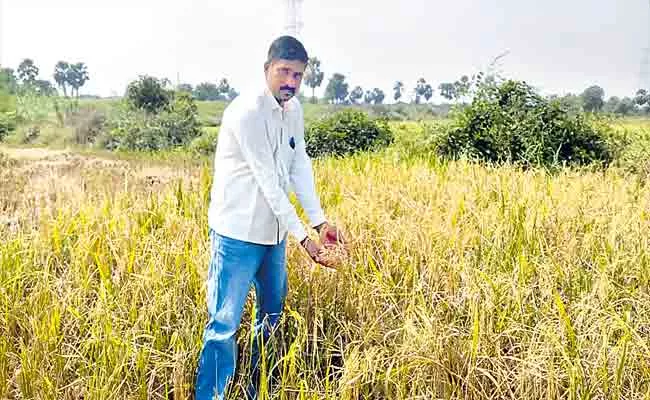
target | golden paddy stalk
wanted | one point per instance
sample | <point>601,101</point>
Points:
<point>462,282</point>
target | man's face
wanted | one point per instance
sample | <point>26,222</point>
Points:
<point>284,77</point>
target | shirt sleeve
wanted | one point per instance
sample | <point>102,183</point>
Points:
<point>302,179</point>
<point>249,131</point>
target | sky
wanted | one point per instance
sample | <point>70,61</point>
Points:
<point>559,46</point>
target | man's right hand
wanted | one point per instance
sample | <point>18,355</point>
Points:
<point>318,253</point>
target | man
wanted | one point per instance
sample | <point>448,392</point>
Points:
<point>260,154</point>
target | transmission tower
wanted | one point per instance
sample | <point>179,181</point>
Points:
<point>644,78</point>
<point>293,17</point>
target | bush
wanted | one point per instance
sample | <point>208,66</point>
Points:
<point>148,94</point>
<point>205,144</point>
<point>347,132</point>
<point>510,122</point>
<point>134,129</point>
<point>7,123</point>
<point>87,124</point>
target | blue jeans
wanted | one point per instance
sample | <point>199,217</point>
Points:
<point>234,266</point>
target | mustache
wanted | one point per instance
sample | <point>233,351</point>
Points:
<point>289,89</point>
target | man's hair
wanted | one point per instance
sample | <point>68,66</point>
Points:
<point>287,48</point>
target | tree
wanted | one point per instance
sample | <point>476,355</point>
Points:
<point>398,89</point>
<point>611,104</point>
<point>378,95</point>
<point>313,76</point>
<point>625,106</point>
<point>461,87</point>
<point>61,71</point>
<point>148,94</point>
<point>374,96</point>
<point>593,98</point>
<point>225,91</point>
<point>447,90</point>
<point>8,80</point>
<point>77,77</point>
<point>44,87</point>
<point>206,91</point>
<point>368,97</point>
<point>428,92</point>
<point>572,103</point>
<point>232,93</point>
<point>422,89</point>
<point>337,89</point>
<point>185,87</point>
<point>356,95</point>
<point>642,97</point>
<point>27,71</point>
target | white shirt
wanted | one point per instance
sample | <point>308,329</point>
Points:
<point>255,168</point>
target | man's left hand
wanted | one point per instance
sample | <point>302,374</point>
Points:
<point>331,236</point>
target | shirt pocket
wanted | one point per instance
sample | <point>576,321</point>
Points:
<point>288,151</point>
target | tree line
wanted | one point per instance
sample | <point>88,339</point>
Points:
<point>337,91</point>
<point>70,77</point>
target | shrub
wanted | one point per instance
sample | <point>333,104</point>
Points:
<point>87,124</point>
<point>7,123</point>
<point>205,144</point>
<point>148,94</point>
<point>134,129</point>
<point>347,132</point>
<point>510,122</point>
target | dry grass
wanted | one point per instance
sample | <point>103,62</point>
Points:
<point>462,282</point>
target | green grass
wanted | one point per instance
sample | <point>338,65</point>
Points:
<point>463,282</point>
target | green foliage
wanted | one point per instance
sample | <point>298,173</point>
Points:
<point>593,99</point>
<point>398,88</point>
<point>77,76</point>
<point>88,123</point>
<point>313,76</point>
<point>27,71</point>
<point>447,90</point>
<point>148,94</point>
<point>7,123</point>
<point>510,122</point>
<point>8,81</point>
<point>208,91</point>
<point>136,129</point>
<point>356,94</point>
<point>205,144</point>
<point>337,89</point>
<point>375,96</point>
<point>423,89</point>
<point>615,105</point>
<point>33,108</point>
<point>7,101</point>
<point>347,132</point>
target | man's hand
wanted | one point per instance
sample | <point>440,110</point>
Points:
<point>318,254</point>
<point>330,235</point>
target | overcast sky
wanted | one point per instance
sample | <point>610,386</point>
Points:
<point>559,46</point>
